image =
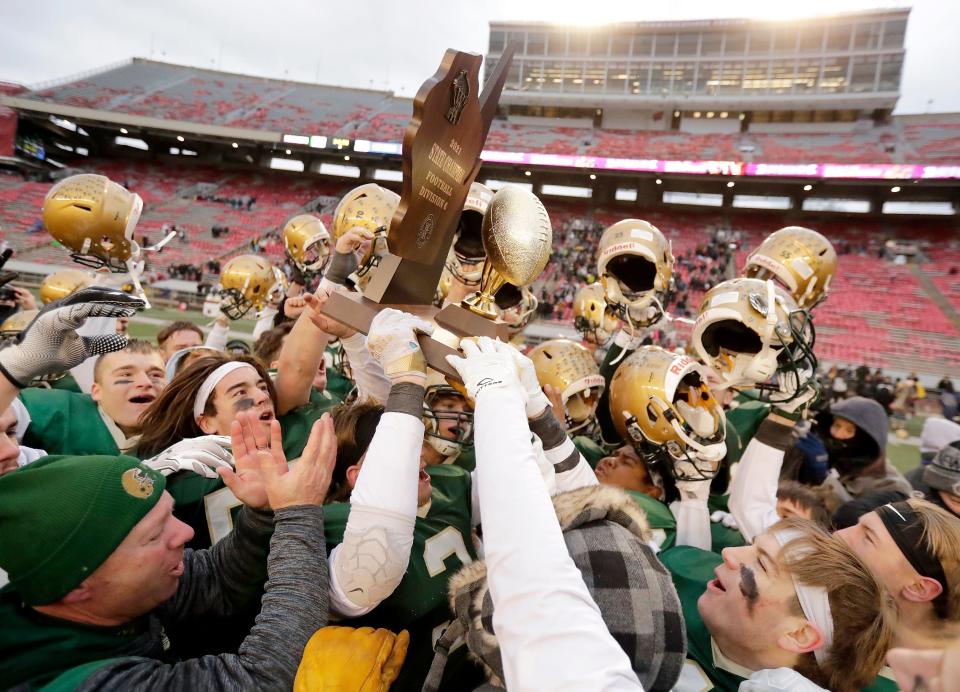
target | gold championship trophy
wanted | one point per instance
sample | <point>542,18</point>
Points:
<point>441,159</point>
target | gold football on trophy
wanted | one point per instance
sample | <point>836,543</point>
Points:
<point>517,238</point>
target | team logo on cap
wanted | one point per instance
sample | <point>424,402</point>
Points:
<point>137,483</point>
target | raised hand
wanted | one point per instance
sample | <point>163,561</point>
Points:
<point>314,303</point>
<point>263,479</point>
<point>392,342</point>
<point>488,365</point>
<point>537,400</point>
<point>51,344</point>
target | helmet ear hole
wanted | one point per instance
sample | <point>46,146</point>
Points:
<point>652,413</point>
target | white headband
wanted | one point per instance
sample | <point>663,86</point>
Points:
<point>213,379</point>
<point>814,602</point>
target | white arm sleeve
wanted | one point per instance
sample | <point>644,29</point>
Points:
<point>217,338</point>
<point>693,521</point>
<point>753,492</point>
<point>367,373</point>
<point>571,469</point>
<point>264,322</point>
<point>551,633</point>
<point>372,559</point>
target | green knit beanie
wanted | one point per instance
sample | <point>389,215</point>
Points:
<point>62,516</point>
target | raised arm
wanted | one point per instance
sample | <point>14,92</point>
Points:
<point>550,631</point>
<point>50,343</point>
<point>383,504</point>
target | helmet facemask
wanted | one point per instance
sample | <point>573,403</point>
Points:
<point>432,418</point>
<point>580,406</point>
<point>234,304</point>
<point>316,255</point>
<point>629,282</point>
<point>518,306</point>
<point>377,250</point>
<point>696,420</point>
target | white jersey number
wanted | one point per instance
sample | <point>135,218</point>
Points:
<point>438,548</point>
<point>219,506</point>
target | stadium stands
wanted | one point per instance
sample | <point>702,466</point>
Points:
<point>174,92</point>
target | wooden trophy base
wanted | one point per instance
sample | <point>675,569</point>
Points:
<point>357,312</point>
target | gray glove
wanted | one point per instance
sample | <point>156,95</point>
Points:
<point>201,455</point>
<point>51,344</point>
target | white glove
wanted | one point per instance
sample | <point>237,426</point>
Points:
<point>798,390</point>
<point>725,518</point>
<point>488,365</point>
<point>537,401</point>
<point>392,342</point>
<point>51,344</point>
<point>201,455</point>
<point>778,680</point>
<point>696,491</point>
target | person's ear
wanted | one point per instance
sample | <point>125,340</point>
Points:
<point>352,473</point>
<point>78,595</point>
<point>274,364</point>
<point>801,636</point>
<point>207,425</point>
<point>96,392</point>
<point>921,590</point>
<point>654,491</point>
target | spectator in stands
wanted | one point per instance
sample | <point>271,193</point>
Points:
<point>176,336</point>
<point>854,432</point>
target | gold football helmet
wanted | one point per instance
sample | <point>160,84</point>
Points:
<point>62,283</point>
<point>245,283</point>
<point>369,206</point>
<point>437,388</point>
<point>749,329</point>
<point>660,402</point>
<point>571,369</point>
<point>443,288</point>
<point>635,266</point>
<point>94,218</point>
<point>799,259</point>
<point>465,259</point>
<point>372,207</point>
<point>16,323</point>
<point>307,243</point>
<point>517,306</point>
<point>592,317</point>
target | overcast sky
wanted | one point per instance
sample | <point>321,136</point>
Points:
<point>393,44</point>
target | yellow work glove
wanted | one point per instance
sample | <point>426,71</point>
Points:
<point>349,658</point>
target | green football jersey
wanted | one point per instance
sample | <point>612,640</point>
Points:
<point>722,536</point>
<point>742,424</point>
<point>692,569</point>
<point>590,450</point>
<point>442,544</point>
<point>66,382</point>
<point>65,422</point>
<point>338,383</point>
<point>664,525</point>
<point>467,459</point>
<point>208,506</point>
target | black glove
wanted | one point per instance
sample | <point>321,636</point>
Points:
<point>51,344</point>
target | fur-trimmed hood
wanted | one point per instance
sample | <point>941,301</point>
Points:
<point>597,522</point>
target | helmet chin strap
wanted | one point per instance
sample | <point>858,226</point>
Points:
<point>135,268</point>
<point>448,449</point>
